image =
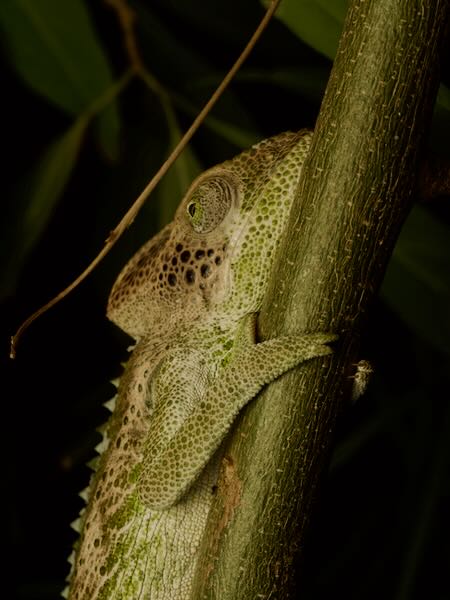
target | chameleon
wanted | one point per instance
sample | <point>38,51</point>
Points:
<point>190,299</point>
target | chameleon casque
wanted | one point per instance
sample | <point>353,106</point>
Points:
<point>189,298</point>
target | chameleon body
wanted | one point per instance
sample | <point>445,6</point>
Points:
<point>190,298</point>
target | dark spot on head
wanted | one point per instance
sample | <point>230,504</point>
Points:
<point>160,276</point>
<point>190,276</point>
<point>205,271</point>
<point>199,254</point>
<point>179,247</point>
<point>218,260</point>
<point>174,260</point>
<point>185,256</point>
<point>172,279</point>
<point>164,267</point>
<point>210,252</point>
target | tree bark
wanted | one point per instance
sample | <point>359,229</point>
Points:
<point>356,189</point>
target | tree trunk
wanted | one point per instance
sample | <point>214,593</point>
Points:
<point>355,191</point>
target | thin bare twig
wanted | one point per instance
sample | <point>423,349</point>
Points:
<point>126,17</point>
<point>132,212</point>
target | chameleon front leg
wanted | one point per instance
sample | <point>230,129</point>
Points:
<point>166,477</point>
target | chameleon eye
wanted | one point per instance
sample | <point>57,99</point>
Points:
<point>210,202</point>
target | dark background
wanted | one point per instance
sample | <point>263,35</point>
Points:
<point>381,528</point>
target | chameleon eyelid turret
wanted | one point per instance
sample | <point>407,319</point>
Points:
<point>210,200</point>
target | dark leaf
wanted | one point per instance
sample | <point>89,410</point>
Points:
<point>54,49</point>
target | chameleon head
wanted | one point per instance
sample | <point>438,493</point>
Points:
<point>176,276</point>
<point>216,253</point>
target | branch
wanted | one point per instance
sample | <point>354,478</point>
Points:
<point>355,191</point>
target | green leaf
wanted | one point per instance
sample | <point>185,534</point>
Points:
<point>443,97</point>
<point>54,49</point>
<point>307,81</point>
<point>107,131</point>
<point>317,22</point>
<point>241,136</point>
<point>39,198</point>
<point>440,126</point>
<point>190,78</point>
<point>238,136</point>
<point>416,285</point>
<point>52,175</point>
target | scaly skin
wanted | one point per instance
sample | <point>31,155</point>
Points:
<point>189,297</point>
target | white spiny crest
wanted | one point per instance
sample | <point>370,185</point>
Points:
<point>110,404</point>
<point>84,494</point>
<point>101,446</point>
<point>76,525</point>
<point>101,429</point>
<point>93,463</point>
